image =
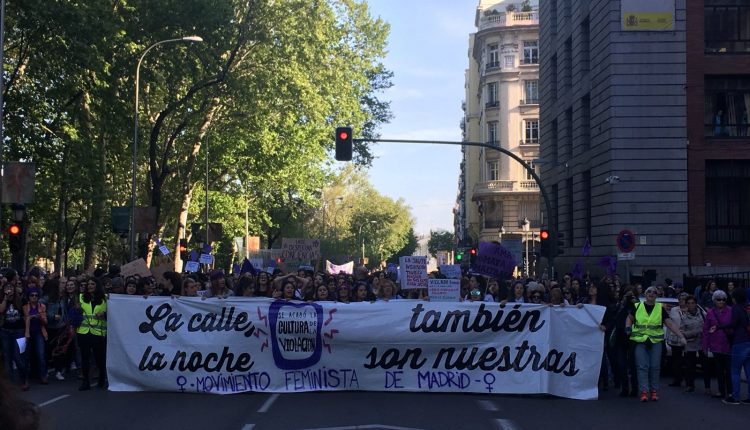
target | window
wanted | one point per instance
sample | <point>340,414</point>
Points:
<point>492,133</point>
<point>531,133</point>
<point>586,185</point>
<point>553,142</point>
<point>553,77</point>
<point>529,210</point>
<point>584,46</point>
<point>586,122</point>
<point>728,202</point>
<point>493,57</point>
<point>493,170</point>
<point>536,169</point>
<point>726,106</point>
<point>569,212</point>
<point>510,61</point>
<point>531,92</point>
<point>493,214</point>
<point>492,95</point>
<point>727,26</point>
<point>568,71</point>
<point>530,52</point>
<point>567,150</point>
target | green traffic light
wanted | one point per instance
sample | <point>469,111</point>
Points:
<point>459,257</point>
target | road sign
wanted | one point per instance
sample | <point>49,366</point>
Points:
<point>626,241</point>
<point>626,256</point>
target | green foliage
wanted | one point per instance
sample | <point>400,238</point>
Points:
<point>440,240</point>
<point>258,98</point>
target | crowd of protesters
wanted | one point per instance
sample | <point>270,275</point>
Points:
<point>63,320</point>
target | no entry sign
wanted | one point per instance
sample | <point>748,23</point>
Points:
<point>626,241</point>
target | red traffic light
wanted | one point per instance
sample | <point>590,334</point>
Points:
<point>14,229</point>
<point>473,251</point>
<point>343,135</point>
<point>544,234</point>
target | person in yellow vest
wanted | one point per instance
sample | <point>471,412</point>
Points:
<point>645,326</point>
<point>92,334</point>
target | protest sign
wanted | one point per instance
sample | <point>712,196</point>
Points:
<point>135,267</point>
<point>240,344</point>
<point>341,268</point>
<point>300,249</point>
<point>206,259</point>
<point>451,271</point>
<point>515,248</point>
<point>493,260</point>
<point>444,290</point>
<point>192,266</point>
<point>412,272</point>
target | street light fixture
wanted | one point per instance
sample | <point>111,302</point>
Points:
<point>135,131</point>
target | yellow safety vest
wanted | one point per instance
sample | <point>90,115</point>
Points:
<point>91,323</point>
<point>647,326</point>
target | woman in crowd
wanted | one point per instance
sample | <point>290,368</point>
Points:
<point>92,334</point>
<point>12,329</point>
<point>218,286</point>
<point>568,295</point>
<point>579,292</point>
<point>146,287</point>
<point>716,341</point>
<point>556,297</point>
<point>35,319</point>
<point>343,294</point>
<point>739,324</point>
<point>706,299</point>
<point>171,287</point>
<point>264,285</point>
<point>288,290</point>
<point>321,294</point>
<point>691,324</point>
<point>678,351</point>
<point>536,298</point>
<point>623,351</point>
<point>519,292</point>
<point>71,356</point>
<point>131,286</point>
<point>362,294</point>
<point>245,286</point>
<point>190,287</point>
<point>594,297</point>
<point>56,320</point>
<point>387,290</point>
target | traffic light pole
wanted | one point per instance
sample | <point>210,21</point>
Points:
<point>552,223</point>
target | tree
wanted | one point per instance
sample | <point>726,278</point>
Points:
<point>440,240</point>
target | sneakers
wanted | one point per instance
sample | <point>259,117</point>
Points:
<point>654,396</point>
<point>73,366</point>
<point>644,396</point>
<point>59,376</point>
<point>730,401</point>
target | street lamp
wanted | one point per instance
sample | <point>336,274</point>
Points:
<point>526,227</point>
<point>135,131</point>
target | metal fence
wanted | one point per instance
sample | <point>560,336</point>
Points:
<point>740,279</point>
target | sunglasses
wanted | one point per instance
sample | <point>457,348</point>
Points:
<point>34,295</point>
<point>720,300</point>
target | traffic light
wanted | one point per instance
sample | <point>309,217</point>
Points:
<point>183,249</point>
<point>544,243</point>
<point>472,255</point>
<point>343,143</point>
<point>459,256</point>
<point>15,237</point>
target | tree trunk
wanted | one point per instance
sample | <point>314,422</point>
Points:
<point>62,210</point>
<point>99,193</point>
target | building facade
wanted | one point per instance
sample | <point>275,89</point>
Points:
<point>644,128</point>
<point>496,194</point>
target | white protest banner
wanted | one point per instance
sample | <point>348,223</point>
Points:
<point>237,344</point>
<point>206,259</point>
<point>333,269</point>
<point>451,271</point>
<point>444,290</point>
<point>135,267</point>
<point>412,272</point>
<point>300,249</point>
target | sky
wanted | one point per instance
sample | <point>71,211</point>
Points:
<point>428,47</point>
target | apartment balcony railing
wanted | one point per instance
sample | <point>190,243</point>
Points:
<point>493,187</point>
<point>492,65</point>
<point>509,19</point>
<point>529,142</point>
<point>529,61</point>
<point>492,104</point>
<point>526,102</point>
<point>493,142</point>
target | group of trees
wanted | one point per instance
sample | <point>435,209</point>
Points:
<point>258,98</point>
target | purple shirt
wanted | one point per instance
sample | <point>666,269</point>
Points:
<point>717,341</point>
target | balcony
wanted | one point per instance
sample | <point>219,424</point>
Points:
<point>492,65</point>
<point>495,187</point>
<point>493,142</point>
<point>529,102</point>
<point>527,142</point>
<point>533,61</point>
<point>492,104</point>
<point>509,19</point>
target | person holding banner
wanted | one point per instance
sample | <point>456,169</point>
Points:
<point>190,287</point>
<point>343,294</point>
<point>92,334</point>
<point>519,291</point>
<point>218,287</point>
<point>387,291</point>
<point>321,294</point>
<point>646,329</point>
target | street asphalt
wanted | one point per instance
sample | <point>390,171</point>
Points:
<point>64,407</point>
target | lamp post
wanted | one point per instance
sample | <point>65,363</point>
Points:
<point>526,226</point>
<point>135,131</point>
<point>363,238</point>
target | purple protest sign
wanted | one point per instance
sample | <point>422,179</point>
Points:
<point>494,260</point>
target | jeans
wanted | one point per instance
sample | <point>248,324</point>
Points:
<point>740,359</point>
<point>36,342</point>
<point>648,365</point>
<point>12,354</point>
<point>96,345</point>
